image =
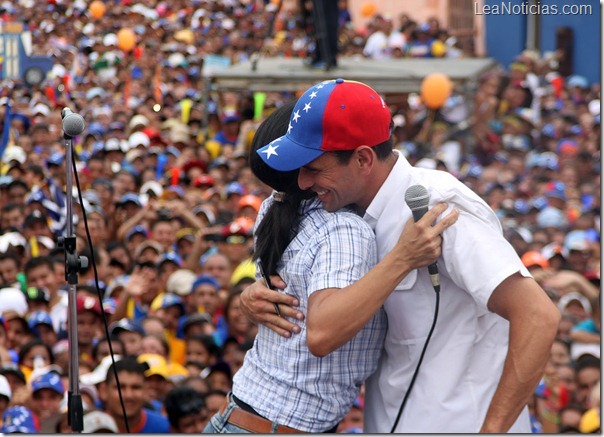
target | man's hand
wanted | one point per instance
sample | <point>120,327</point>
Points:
<point>420,243</point>
<point>257,302</point>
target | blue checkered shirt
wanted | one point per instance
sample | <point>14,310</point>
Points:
<point>280,378</point>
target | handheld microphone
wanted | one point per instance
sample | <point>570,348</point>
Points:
<point>417,198</point>
<point>73,124</point>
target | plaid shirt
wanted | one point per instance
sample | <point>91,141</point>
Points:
<point>280,378</point>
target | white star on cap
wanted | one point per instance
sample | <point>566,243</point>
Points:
<point>271,150</point>
<point>313,95</point>
<point>306,107</point>
<point>296,116</point>
<point>289,128</point>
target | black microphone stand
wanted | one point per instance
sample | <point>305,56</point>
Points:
<point>73,264</point>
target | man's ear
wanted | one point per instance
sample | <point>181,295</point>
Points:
<point>364,158</point>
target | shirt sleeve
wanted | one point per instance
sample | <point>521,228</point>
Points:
<point>345,250</point>
<point>477,256</point>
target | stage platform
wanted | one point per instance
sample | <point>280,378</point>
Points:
<point>392,76</point>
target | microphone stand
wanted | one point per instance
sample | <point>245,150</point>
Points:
<point>73,264</point>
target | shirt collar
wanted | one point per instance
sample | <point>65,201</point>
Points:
<point>399,177</point>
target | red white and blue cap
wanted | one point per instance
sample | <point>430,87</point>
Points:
<point>330,116</point>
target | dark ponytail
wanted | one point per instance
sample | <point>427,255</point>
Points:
<point>280,223</point>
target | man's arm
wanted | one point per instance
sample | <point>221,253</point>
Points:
<point>336,315</point>
<point>533,325</point>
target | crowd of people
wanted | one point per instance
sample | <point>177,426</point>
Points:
<point>168,204</point>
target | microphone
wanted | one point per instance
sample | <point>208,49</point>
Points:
<point>417,199</point>
<point>73,124</point>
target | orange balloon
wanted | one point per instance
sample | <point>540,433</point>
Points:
<point>368,9</point>
<point>97,9</point>
<point>435,90</point>
<point>126,39</point>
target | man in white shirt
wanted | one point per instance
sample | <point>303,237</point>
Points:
<point>484,359</point>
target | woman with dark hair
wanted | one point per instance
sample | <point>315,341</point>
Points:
<point>282,387</point>
<point>35,353</point>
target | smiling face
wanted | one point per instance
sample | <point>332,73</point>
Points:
<point>336,184</point>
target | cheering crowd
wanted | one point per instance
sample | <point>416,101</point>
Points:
<point>168,204</point>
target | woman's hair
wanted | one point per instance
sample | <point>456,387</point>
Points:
<point>280,223</point>
<point>30,345</point>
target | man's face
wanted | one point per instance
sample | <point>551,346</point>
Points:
<point>14,217</point>
<point>88,326</point>
<point>8,271</point>
<point>133,342</point>
<point>206,296</point>
<point>219,268</point>
<point>193,423</point>
<point>43,277</point>
<point>133,393</point>
<point>336,185</point>
<point>587,378</point>
<point>196,351</point>
<point>164,234</point>
<point>46,402</point>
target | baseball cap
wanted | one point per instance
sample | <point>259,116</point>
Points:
<point>9,367</point>
<point>331,116</point>
<point>138,229</point>
<point>125,325</point>
<point>205,279</point>
<point>38,318</point>
<point>5,387</point>
<point>37,294</point>
<point>194,318</point>
<point>240,226</point>
<point>18,419</point>
<point>129,198</point>
<point>99,374</point>
<point>534,258</point>
<point>203,179</point>
<point>12,300</point>
<point>88,303</point>
<point>180,282</point>
<point>157,364</point>
<point>167,300</point>
<point>170,257</point>
<point>138,120</point>
<point>251,201</point>
<point>153,186</point>
<point>234,188</point>
<point>50,381</point>
<point>576,240</point>
<point>99,422</point>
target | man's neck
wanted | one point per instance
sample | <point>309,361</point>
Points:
<point>133,422</point>
<point>381,173</point>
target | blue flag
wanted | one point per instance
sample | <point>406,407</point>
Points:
<point>5,129</point>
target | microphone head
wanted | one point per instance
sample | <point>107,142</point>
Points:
<point>417,197</point>
<point>73,124</point>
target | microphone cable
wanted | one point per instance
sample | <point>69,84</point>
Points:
<point>421,358</point>
<point>96,283</point>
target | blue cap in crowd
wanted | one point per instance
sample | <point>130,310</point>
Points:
<point>169,300</point>
<point>205,279</point>
<point>126,325</point>
<point>38,318</point>
<point>138,229</point>
<point>18,419</point>
<point>49,380</point>
<point>130,198</point>
<point>170,257</point>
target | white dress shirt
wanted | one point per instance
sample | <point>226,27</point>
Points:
<point>465,356</point>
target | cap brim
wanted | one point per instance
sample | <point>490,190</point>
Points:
<point>283,154</point>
